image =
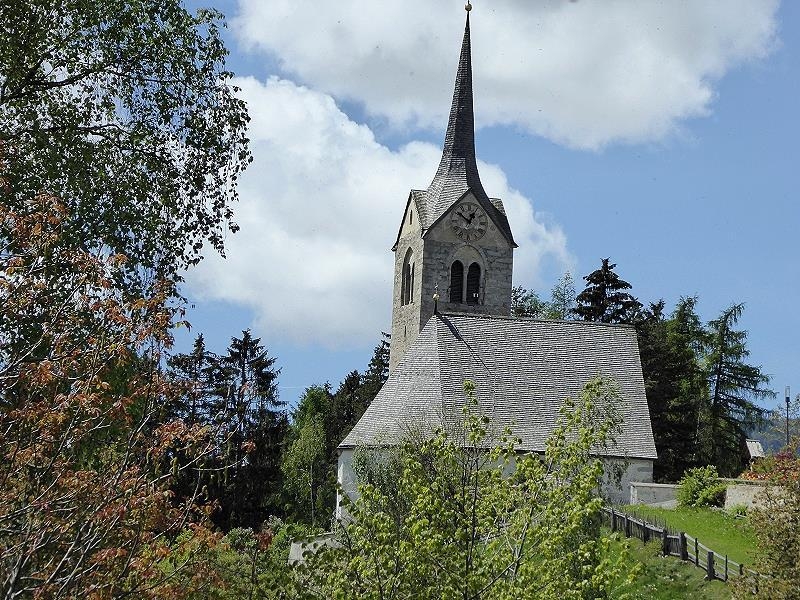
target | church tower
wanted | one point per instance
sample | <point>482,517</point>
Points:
<point>454,240</point>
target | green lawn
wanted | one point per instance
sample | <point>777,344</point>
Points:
<point>721,532</point>
<point>667,578</point>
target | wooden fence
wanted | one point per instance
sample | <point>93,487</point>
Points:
<point>680,544</point>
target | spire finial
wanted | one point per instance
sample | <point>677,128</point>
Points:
<point>468,6</point>
<point>436,300</point>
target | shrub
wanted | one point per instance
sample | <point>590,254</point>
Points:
<point>701,487</point>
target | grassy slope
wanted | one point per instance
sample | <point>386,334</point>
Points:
<point>667,578</point>
<point>721,532</point>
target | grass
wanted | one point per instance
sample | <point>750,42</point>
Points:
<point>720,531</point>
<point>667,578</point>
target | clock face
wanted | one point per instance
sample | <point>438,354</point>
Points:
<point>469,222</point>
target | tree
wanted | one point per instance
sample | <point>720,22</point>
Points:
<point>257,426</point>
<point>377,372</point>
<point>305,468</point>
<point>124,110</point>
<point>195,372</point>
<point>733,384</point>
<point>464,519</point>
<point>86,507</point>
<point>775,525</point>
<point>603,298</point>
<point>671,350</point>
<point>526,303</point>
<point>562,298</point>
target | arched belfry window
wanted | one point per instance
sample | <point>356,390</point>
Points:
<point>407,279</point>
<point>457,282</point>
<point>473,283</point>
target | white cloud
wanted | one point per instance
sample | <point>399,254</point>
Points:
<point>583,73</point>
<point>319,212</point>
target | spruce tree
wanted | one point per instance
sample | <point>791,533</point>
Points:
<point>252,477</point>
<point>604,299</point>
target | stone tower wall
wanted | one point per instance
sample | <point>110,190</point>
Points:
<point>434,254</point>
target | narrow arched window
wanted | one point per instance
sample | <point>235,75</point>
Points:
<point>473,283</point>
<point>407,279</point>
<point>457,282</point>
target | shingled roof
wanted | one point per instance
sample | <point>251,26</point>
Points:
<point>523,370</point>
<point>458,169</point>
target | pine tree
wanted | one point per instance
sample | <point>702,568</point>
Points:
<point>603,298</point>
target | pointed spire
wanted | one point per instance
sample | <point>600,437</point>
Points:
<point>458,154</point>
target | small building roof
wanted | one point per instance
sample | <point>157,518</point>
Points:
<point>523,370</point>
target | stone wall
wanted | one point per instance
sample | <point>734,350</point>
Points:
<point>742,492</point>
<point>642,492</point>
<point>433,256</point>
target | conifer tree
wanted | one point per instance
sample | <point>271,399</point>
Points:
<point>733,385</point>
<point>604,299</point>
<point>674,384</point>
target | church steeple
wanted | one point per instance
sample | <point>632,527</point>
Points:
<point>458,156</point>
<point>454,251</point>
<point>458,167</point>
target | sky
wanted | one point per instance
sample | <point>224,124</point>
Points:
<point>661,134</point>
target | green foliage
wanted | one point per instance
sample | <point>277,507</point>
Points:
<point>776,524</point>
<point>526,303</point>
<point>236,393</point>
<point>125,111</point>
<point>674,383</point>
<point>321,421</point>
<point>304,464</point>
<point>604,299</point>
<point>701,487</point>
<point>733,385</point>
<point>470,517</point>
<point>783,466</point>
<point>252,564</point>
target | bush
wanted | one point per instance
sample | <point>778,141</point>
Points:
<point>701,487</point>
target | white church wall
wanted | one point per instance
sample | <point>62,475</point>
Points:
<point>615,487</point>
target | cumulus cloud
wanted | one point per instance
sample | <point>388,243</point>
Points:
<point>319,211</point>
<point>584,74</point>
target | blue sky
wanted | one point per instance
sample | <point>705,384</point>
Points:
<point>662,135</point>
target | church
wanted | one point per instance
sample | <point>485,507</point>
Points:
<point>451,321</point>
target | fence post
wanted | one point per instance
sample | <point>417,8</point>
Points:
<point>645,532</point>
<point>664,542</point>
<point>726,567</point>
<point>627,526</point>
<point>710,566</point>
<point>741,570</point>
<point>682,546</point>
<point>696,554</point>
<point>613,521</point>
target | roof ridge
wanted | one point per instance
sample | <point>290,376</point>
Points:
<point>534,319</point>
